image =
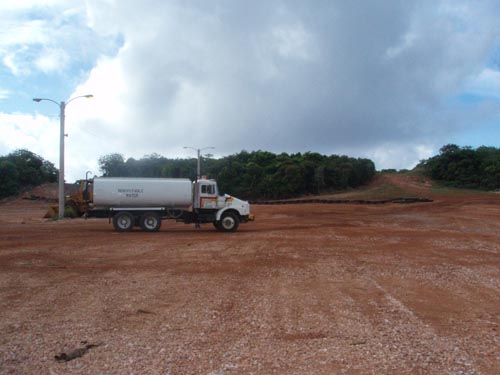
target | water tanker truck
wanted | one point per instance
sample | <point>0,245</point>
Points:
<point>145,202</point>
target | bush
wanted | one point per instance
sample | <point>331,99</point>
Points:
<point>23,169</point>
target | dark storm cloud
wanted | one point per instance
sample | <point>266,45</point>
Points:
<point>327,76</point>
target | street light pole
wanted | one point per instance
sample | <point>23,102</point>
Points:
<point>198,153</point>
<point>62,116</point>
<point>198,166</point>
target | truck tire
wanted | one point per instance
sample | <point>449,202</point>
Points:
<point>123,221</point>
<point>150,222</point>
<point>229,222</point>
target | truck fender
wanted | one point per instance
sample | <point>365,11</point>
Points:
<point>222,210</point>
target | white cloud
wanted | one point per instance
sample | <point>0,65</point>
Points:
<point>11,61</point>
<point>21,5</point>
<point>293,42</point>
<point>52,60</point>
<point>400,155</point>
<point>406,43</point>
<point>37,133</point>
<point>485,84</point>
<point>40,134</point>
<point>24,32</point>
<point>108,85</point>
<point>4,94</point>
<point>46,36</point>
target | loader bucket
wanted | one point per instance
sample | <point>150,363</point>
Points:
<point>51,212</point>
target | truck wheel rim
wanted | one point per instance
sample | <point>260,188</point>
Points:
<point>124,222</point>
<point>150,222</point>
<point>228,223</point>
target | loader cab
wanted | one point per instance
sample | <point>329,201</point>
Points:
<point>206,194</point>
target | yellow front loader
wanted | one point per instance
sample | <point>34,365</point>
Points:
<point>75,204</point>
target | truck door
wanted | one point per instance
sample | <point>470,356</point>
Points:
<point>207,195</point>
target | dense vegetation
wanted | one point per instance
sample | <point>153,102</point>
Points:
<point>465,167</point>
<point>264,175</point>
<point>23,169</point>
<point>254,175</point>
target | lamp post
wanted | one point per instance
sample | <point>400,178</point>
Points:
<point>198,152</point>
<point>62,109</point>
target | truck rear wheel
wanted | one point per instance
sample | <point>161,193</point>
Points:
<point>123,221</point>
<point>150,222</point>
<point>229,222</point>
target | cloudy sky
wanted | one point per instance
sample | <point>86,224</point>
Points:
<point>392,80</point>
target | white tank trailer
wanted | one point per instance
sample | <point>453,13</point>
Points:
<point>143,192</point>
<point>145,202</point>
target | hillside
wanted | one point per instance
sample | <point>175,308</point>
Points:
<point>410,184</point>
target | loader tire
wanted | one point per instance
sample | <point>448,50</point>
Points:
<point>70,209</point>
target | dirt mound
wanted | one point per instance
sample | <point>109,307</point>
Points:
<point>48,192</point>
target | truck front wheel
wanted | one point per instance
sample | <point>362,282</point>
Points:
<point>123,221</point>
<point>150,222</point>
<point>229,222</point>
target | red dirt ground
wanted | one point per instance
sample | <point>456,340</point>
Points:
<point>305,289</point>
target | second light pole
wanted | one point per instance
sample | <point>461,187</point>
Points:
<point>198,152</point>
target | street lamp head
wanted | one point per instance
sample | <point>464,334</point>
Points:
<point>37,100</point>
<point>90,96</point>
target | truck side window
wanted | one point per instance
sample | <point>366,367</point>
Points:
<point>207,189</point>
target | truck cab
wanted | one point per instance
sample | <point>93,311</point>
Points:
<point>228,210</point>
<point>206,195</point>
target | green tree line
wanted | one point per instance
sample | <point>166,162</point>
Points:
<point>22,169</point>
<point>465,167</point>
<point>254,175</point>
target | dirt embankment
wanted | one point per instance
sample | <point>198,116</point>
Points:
<point>306,289</point>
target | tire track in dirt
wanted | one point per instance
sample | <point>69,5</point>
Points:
<point>433,350</point>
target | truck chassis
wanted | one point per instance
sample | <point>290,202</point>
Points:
<point>149,219</point>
